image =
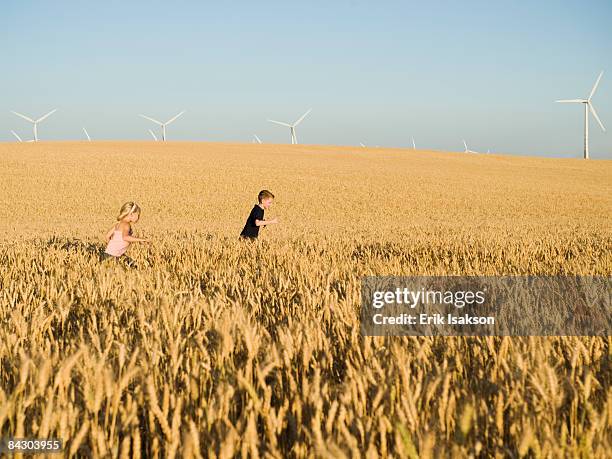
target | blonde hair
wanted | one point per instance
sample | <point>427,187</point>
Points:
<point>128,208</point>
<point>264,194</point>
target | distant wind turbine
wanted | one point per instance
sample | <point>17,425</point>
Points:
<point>87,134</point>
<point>163,125</point>
<point>588,106</point>
<point>153,135</point>
<point>35,122</point>
<point>413,144</point>
<point>292,126</point>
<point>467,150</point>
<point>257,138</point>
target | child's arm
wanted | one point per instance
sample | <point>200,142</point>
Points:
<point>266,222</point>
<point>125,232</point>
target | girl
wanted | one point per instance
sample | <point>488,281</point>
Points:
<point>120,236</point>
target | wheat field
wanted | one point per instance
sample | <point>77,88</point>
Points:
<point>214,347</point>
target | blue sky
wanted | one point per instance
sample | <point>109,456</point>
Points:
<point>373,72</point>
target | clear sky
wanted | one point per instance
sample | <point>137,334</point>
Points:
<point>376,72</point>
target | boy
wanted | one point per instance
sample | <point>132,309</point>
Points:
<point>256,217</point>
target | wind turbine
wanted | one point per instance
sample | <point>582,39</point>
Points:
<point>153,135</point>
<point>35,122</point>
<point>87,134</point>
<point>292,126</point>
<point>163,125</point>
<point>413,144</point>
<point>257,138</point>
<point>588,106</point>
<point>467,150</point>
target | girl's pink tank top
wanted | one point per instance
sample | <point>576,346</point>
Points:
<point>117,246</point>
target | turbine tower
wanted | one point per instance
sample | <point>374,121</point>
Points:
<point>413,144</point>
<point>292,126</point>
<point>163,125</point>
<point>588,106</point>
<point>35,122</point>
<point>87,135</point>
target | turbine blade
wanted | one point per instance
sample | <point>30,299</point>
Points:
<point>257,138</point>
<point>151,119</point>
<point>15,134</point>
<point>595,85</point>
<point>153,134</point>
<point>465,144</point>
<point>571,101</point>
<point>302,117</point>
<point>44,117</point>
<point>594,113</point>
<point>87,134</point>
<point>361,143</point>
<point>23,116</point>
<point>172,119</point>
<point>280,122</point>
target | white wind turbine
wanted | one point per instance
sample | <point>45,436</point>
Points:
<point>87,135</point>
<point>153,135</point>
<point>413,144</point>
<point>163,125</point>
<point>257,139</point>
<point>588,106</point>
<point>35,122</point>
<point>292,126</point>
<point>467,150</point>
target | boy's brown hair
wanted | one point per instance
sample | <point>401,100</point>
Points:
<point>264,194</point>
